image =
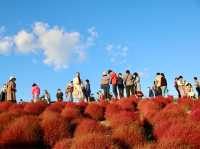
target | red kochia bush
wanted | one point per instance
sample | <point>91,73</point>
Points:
<point>195,115</point>
<point>4,106</point>
<point>127,104</point>
<point>54,127</point>
<point>171,144</point>
<point>71,113</point>
<point>23,131</point>
<point>129,135</point>
<point>112,109</point>
<point>63,144</point>
<point>56,107</point>
<point>5,119</point>
<point>188,133</point>
<point>95,111</point>
<point>123,118</point>
<point>89,126</point>
<point>17,108</point>
<point>92,141</point>
<point>35,108</point>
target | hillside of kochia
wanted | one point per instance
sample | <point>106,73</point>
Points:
<point>159,123</point>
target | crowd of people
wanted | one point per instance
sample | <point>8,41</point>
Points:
<point>127,84</point>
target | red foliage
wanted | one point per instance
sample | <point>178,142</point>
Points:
<point>188,133</point>
<point>123,118</point>
<point>195,114</point>
<point>5,119</point>
<point>56,107</point>
<point>55,127</point>
<point>171,144</point>
<point>186,103</point>
<point>71,113</point>
<point>17,108</point>
<point>92,141</point>
<point>23,131</point>
<point>129,135</point>
<point>35,108</point>
<point>111,109</point>
<point>89,126</point>
<point>4,106</point>
<point>95,111</point>
<point>127,104</point>
<point>63,144</point>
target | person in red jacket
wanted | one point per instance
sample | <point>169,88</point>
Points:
<point>113,81</point>
<point>35,92</point>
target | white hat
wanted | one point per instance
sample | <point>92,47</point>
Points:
<point>12,77</point>
<point>104,73</point>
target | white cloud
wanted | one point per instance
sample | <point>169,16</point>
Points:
<point>25,42</point>
<point>117,53</point>
<point>6,44</point>
<point>60,48</point>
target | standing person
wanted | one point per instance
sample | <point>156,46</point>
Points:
<point>189,91</point>
<point>87,90</point>
<point>128,82</point>
<point>11,90</point>
<point>105,85</point>
<point>181,85</point>
<point>157,83</point>
<point>35,92</point>
<point>59,95</point>
<point>197,86</point>
<point>176,87</point>
<point>77,91</point>
<point>151,91</point>
<point>113,81</point>
<point>137,84</point>
<point>69,91</point>
<point>47,97</point>
<point>163,84</point>
<point>120,85</point>
<point>3,93</point>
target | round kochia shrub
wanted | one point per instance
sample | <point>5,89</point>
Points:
<point>71,113</point>
<point>187,133</point>
<point>129,136</point>
<point>4,106</point>
<point>5,119</point>
<point>111,109</point>
<point>63,144</point>
<point>92,141</point>
<point>25,130</point>
<point>95,111</point>
<point>35,108</point>
<point>56,107</point>
<point>54,127</point>
<point>123,118</point>
<point>89,126</point>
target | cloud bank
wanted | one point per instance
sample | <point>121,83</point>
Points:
<point>60,48</point>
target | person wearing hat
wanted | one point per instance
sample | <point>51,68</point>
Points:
<point>105,85</point>
<point>11,90</point>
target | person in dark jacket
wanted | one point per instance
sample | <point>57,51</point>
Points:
<point>59,95</point>
<point>120,85</point>
<point>163,84</point>
<point>87,92</point>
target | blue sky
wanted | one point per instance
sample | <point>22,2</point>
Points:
<point>48,41</point>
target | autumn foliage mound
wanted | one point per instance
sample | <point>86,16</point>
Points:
<point>54,127</point>
<point>152,123</point>
<point>95,111</point>
<point>23,131</point>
